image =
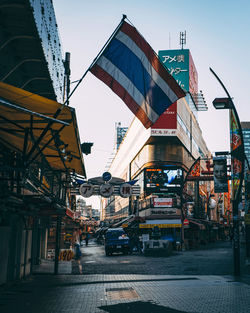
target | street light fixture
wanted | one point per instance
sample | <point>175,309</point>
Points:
<point>237,166</point>
<point>222,103</point>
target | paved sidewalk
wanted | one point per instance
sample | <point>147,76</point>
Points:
<point>126,293</point>
<point>47,267</point>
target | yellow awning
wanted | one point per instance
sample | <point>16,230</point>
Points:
<point>23,118</point>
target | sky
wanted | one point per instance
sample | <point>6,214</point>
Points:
<point>217,34</point>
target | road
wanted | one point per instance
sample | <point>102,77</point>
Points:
<point>212,259</point>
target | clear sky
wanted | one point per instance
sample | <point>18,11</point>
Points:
<point>217,36</point>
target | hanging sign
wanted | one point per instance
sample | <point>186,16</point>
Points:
<point>106,190</point>
<point>86,190</point>
<point>106,176</point>
<point>126,190</point>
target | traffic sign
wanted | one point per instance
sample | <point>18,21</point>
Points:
<point>186,222</point>
<point>106,190</point>
<point>86,190</point>
<point>126,190</point>
<point>106,176</point>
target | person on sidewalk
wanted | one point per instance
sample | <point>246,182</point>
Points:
<point>78,255</point>
<point>87,239</point>
<point>134,243</point>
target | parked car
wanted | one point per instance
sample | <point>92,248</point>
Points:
<point>116,240</point>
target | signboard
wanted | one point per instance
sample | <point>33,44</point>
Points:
<point>181,66</point>
<point>106,176</point>
<point>165,211</point>
<point>237,154</point>
<point>162,202</point>
<point>177,63</point>
<point>106,190</point>
<point>166,179</point>
<point>166,125</point>
<point>159,225</point>
<point>220,174</point>
<point>126,190</point>
<point>86,190</point>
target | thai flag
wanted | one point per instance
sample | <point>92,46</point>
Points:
<point>131,68</point>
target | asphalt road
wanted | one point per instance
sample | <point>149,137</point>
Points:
<point>212,259</point>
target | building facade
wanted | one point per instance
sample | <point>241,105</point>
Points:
<point>159,157</point>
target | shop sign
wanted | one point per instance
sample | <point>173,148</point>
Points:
<point>70,213</point>
<point>162,202</point>
<point>159,225</point>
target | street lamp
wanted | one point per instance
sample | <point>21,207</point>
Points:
<point>222,103</point>
<point>237,166</point>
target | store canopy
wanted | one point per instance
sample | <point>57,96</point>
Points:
<point>40,128</point>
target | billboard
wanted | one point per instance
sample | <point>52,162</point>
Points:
<point>163,179</point>
<point>166,125</point>
<point>181,66</point>
<point>220,174</point>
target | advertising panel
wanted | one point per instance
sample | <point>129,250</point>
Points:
<point>236,143</point>
<point>177,63</point>
<point>163,202</point>
<point>193,76</point>
<point>220,175</point>
<point>166,125</point>
<point>166,179</point>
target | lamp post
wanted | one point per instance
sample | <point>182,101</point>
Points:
<point>237,166</point>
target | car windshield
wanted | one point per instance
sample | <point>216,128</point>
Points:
<point>114,233</point>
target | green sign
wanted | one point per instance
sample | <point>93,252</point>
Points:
<point>177,63</point>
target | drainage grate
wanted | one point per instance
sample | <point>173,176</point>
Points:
<point>121,293</point>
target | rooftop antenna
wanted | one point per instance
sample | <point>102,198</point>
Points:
<point>182,39</point>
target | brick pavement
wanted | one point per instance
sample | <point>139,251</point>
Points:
<point>126,293</point>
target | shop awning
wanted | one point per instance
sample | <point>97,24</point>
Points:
<point>39,127</point>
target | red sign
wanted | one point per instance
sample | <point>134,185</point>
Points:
<point>186,222</point>
<point>162,202</point>
<point>70,213</point>
<point>168,119</point>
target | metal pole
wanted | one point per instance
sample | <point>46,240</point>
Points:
<point>236,239</point>
<point>236,196</point>
<point>57,248</point>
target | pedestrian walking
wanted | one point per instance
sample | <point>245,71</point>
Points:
<point>134,242</point>
<point>78,255</point>
<point>87,239</point>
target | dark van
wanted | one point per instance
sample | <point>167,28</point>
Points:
<point>116,240</point>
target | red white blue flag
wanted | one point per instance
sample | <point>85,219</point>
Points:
<point>131,68</point>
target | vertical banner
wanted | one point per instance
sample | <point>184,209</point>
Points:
<point>220,174</point>
<point>237,154</point>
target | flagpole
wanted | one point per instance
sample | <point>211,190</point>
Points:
<point>45,130</point>
<point>97,57</point>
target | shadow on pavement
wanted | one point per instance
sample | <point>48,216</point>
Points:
<point>139,306</point>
